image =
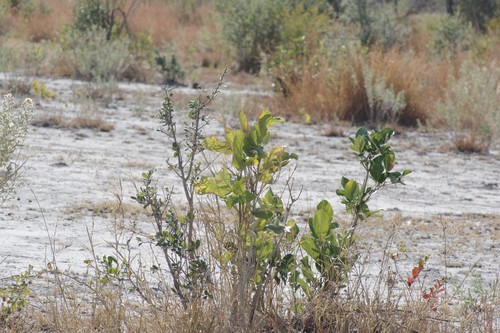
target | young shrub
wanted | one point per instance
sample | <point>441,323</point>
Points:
<point>329,249</point>
<point>14,121</point>
<point>262,223</point>
<point>175,233</point>
<point>471,106</point>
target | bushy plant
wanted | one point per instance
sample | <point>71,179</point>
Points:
<point>14,121</point>
<point>93,57</point>
<point>262,222</point>
<point>326,244</point>
<point>171,69</point>
<point>471,106</point>
<point>451,36</point>
<point>377,23</point>
<point>253,28</point>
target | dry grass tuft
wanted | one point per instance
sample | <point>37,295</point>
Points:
<point>94,121</point>
<point>471,143</point>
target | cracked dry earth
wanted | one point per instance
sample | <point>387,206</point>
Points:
<point>449,208</point>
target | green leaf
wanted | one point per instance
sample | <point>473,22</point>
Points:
<point>262,213</point>
<point>362,132</point>
<point>294,230</point>
<point>277,229</point>
<point>377,169</point>
<point>320,225</point>
<point>325,206</point>
<point>307,244</point>
<point>381,137</point>
<point>359,144</point>
<point>247,197</point>
<point>215,145</point>
<point>343,181</point>
<point>238,155</point>
<point>351,187</point>
<point>220,185</point>
<point>389,160</point>
<point>244,122</point>
<point>232,200</point>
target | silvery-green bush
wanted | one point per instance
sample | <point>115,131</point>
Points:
<point>14,121</point>
<point>94,57</point>
<point>471,105</point>
<point>384,104</point>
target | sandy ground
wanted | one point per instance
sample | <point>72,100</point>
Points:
<point>449,208</point>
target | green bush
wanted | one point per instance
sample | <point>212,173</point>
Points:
<point>253,28</point>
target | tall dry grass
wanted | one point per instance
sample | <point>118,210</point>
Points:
<point>328,92</point>
<point>44,24</point>
<point>189,31</point>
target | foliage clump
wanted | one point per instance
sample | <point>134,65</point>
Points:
<point>14,121</point>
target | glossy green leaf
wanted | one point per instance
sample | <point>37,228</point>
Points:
<point>381,137</point>
<point>377,169</point>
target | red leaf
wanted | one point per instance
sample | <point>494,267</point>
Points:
<point>415,271</point>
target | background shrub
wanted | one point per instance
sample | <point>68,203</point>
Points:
<point>478,12</point>
<point>471,106</point>
<point>253,28</point>
<point>93,57</point>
